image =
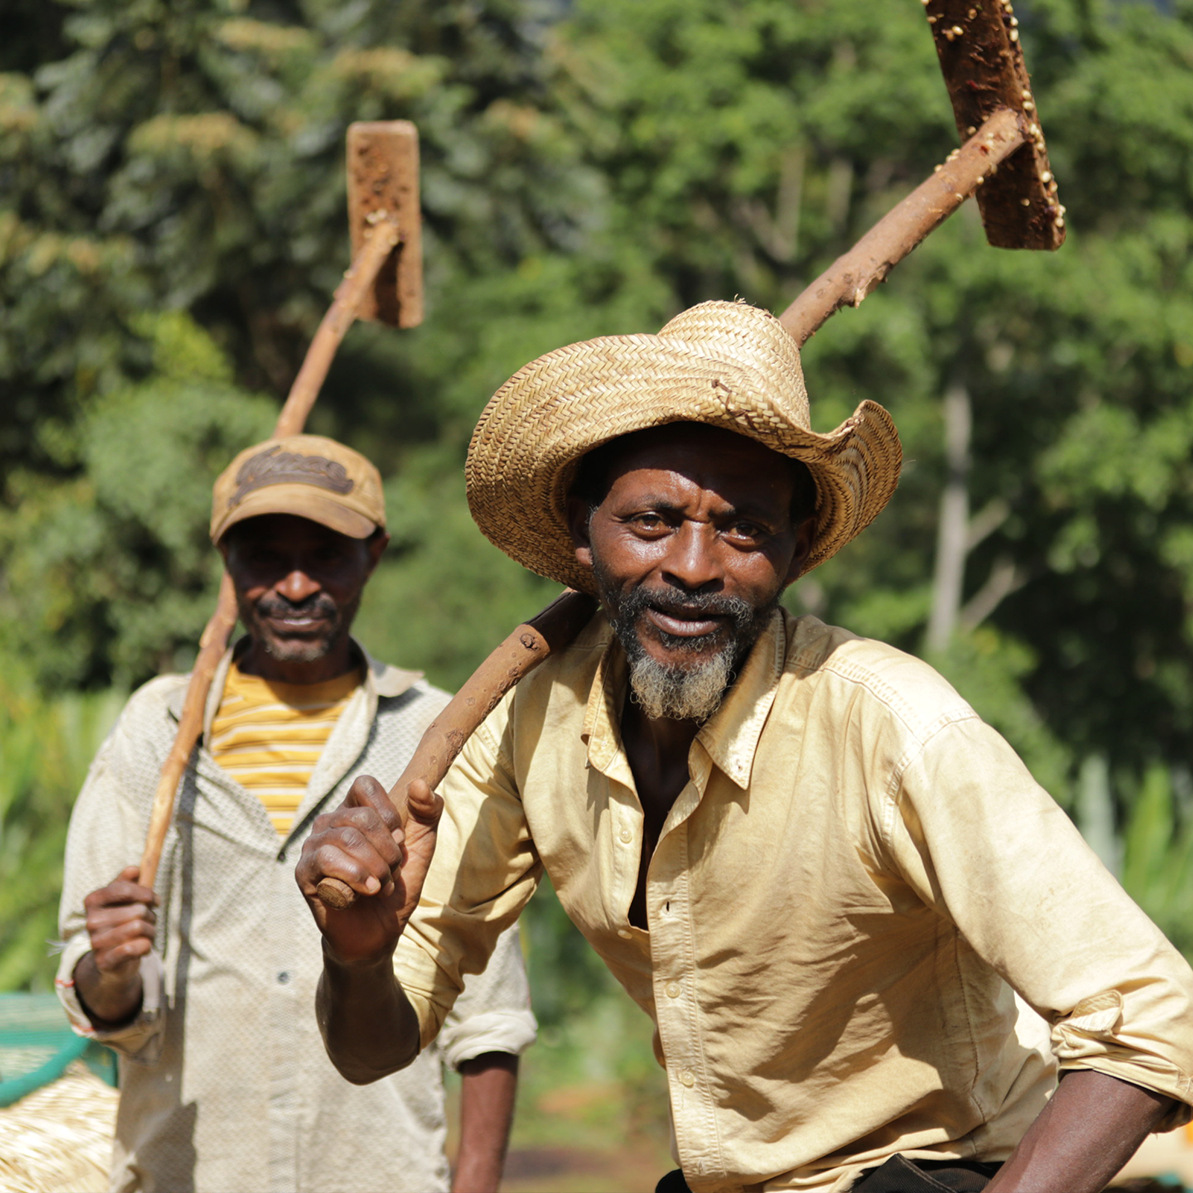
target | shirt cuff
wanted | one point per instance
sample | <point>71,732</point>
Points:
<point>1092,1038</point>
<point>138,1040</point>
<point>491,1031</point>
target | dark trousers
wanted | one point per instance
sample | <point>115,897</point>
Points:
<point>897,1175</point>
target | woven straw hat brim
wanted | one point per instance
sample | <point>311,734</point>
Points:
<point>526,448</point>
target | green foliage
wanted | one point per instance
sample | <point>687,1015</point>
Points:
<point>111,571</point>
<point>1157,868</point>
<point>45,749</point>
<point>415,609</point>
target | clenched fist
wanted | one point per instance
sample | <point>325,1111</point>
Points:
<point>121,924</point>
<point>382,853</point>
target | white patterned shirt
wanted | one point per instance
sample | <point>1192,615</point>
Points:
<point>225,1085</point>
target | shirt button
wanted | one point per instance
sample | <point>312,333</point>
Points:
<point>672,989</point>
<point>688,1078</point>
<point>625,933</point>
<point>626,836</point>
<point>283,977</point>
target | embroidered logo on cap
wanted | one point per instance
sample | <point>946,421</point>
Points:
<point>276,467</point>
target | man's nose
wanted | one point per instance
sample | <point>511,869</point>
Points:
<point>692,559</point>
<point>296,586</point>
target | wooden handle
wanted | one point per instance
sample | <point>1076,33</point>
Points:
<point>348,296</point>
<point>190,726</point>
<point>335,894</point>
<point>855,274</point>
<point>520,653</point>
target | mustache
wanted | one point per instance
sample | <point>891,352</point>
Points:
<point>685,604</point>
<point>318,604</point>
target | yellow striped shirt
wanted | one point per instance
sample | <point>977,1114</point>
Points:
<point>268,735</point>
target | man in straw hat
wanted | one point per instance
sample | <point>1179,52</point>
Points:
<point>205,988</point>
<point>802,854</point>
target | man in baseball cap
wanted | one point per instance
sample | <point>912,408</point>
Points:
<point>205,989</point>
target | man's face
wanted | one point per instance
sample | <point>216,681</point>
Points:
<point>298,583</point>
<point>691,546</point>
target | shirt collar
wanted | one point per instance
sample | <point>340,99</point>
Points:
<point>602,716</point>
<point>381,680</point>
<point>729,737</point>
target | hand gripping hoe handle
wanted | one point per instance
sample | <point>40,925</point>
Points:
<point>524,649</point>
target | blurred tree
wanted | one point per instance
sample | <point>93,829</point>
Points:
<point>745,147</point>
<point>46,746</point>
<point>111,566</point>
<point>189,158</point>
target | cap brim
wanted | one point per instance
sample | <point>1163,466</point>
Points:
<point>303,501</point>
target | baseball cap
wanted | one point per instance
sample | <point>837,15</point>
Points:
<point>306,475</point>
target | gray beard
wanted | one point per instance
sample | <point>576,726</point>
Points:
<point>681,693</point>
<point>691,692</point>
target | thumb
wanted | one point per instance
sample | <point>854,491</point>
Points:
<point>423,806</point>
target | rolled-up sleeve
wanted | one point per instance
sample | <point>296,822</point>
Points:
<point>981,842</point>
<point>493,1014</point>
<point>140,1039</point>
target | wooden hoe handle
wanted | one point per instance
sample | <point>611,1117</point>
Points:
<point>856,273</point>
<point>349,294</point>
<point>515,658</point>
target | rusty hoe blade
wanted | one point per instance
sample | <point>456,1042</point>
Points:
<point>1002,157</point>
<point>981,58</point>
<point>383,184</point>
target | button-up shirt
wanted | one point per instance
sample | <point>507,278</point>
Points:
<point>225,1084</point>
<point>857,875</point>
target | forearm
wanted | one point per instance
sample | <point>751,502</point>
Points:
<point>110,999</point>
<point>1090,1128</point>
<point>490,1082</point>
<point>369,1027</point>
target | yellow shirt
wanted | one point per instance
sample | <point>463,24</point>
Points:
<point>268,735</point>
<point>856,874</point>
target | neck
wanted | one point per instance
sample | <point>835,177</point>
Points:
<point>339,660</point>
<point>657,751</point>
<point>669,740</point>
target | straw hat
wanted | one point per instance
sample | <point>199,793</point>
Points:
<point>726,364</point>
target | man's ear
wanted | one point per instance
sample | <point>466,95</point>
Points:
<point>579,514</point>
<point>376,545</point>
<point>805,536</point>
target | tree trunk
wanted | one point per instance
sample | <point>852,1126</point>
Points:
<point>953,532</point>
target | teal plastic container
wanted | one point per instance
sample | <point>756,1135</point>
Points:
<point>37,1045</point>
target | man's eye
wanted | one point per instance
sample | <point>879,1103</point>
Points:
<point>746,531</point>
<point>649,522</point>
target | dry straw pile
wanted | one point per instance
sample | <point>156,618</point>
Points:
<point>59,1138</point>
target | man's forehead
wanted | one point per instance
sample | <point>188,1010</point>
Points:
<point>696,450</point>
<point>283,528</point>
